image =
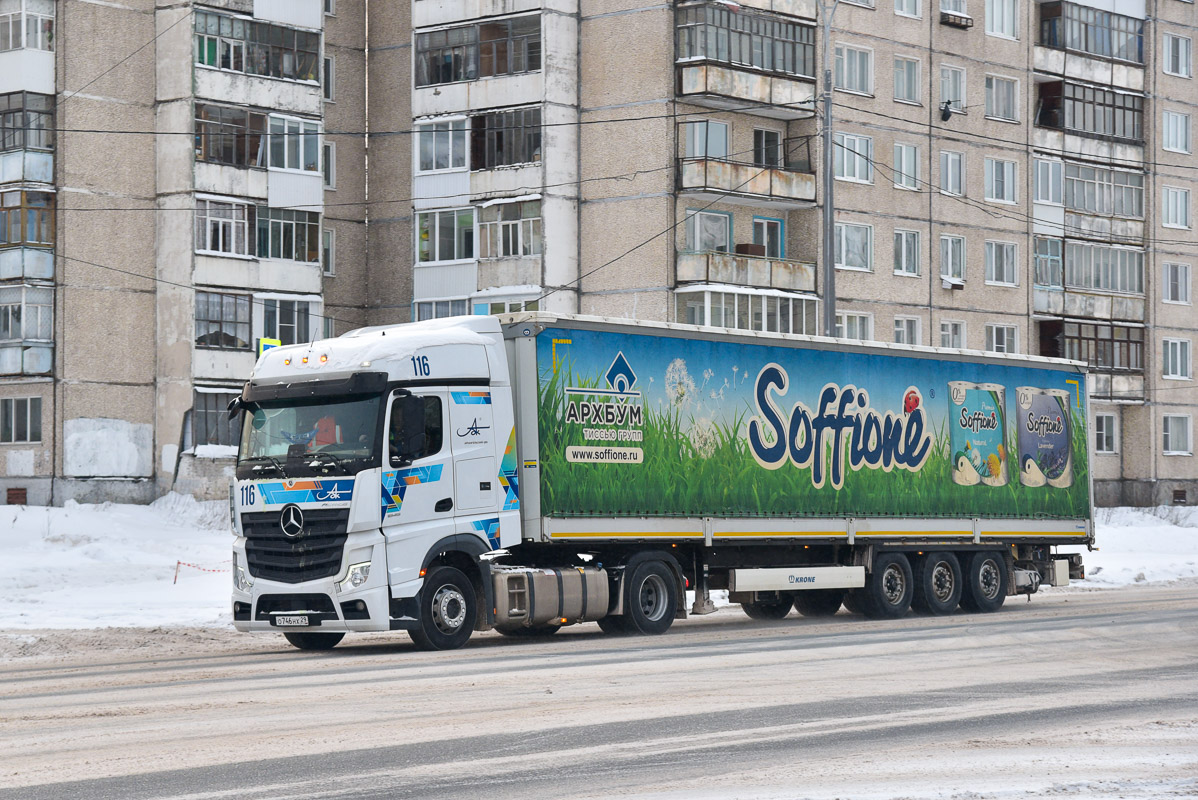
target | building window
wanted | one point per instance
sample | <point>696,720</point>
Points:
<point>952,257</point>
<point>20,418</point>
<point>704,139</point>
<point>244,45</point>
<point>1104,268</point>
<point>906,80</point>
<point>1049,266</point>
<point>26,219</point>
<point>330,8</point>
<point>906,166</point>
<point>26,313</point>
<point>906,330</point>
<point>952,88</point>
<point>1090,30</point>
<point>484,50</point>
<point>1176,55</point>
<point>1176,281</point>
<point>329,79</point>
<point>1091,110</point>
<point>32,29</point>
<point>747,309</point>
<point>952,173</point>
<point>708,231</point>
<point>767,148</point>
<point>1109,192</point>
<point>854,246</point>
<point>210,423</point>
<point>854,69</point>
<point>745,37</point>
<point>329,162</point>
<point>907,8</point>
<point>952,334</point>
<point>1110,348</point>
<point>224,228</point>
<point>1000,264</point>
<point>445,235</point>
<point>954,7</point>
<point>1002,98</point>
<point>1000,180</point>
<point>1176,429</point>
<point>1176,359</point>
<point>289,321</point>
<point>1002,18</point>
<point>852,158</point>
<point>510,229</point>
<point>288,235</point>
<point>1105,433</point>
<point>222,320</point>
<point>855,326</point>
<point>294,144</point>
<point>506,306</point>
<point>441,146</point>
<point>1049,181</point>
<point>1002,338</point>
<point>234,136</point>
<point>505,138</point>
<point>906,253</point>
<point>26,121</point>
<point>328,252</point>
<point>1175,207</point>
<point>1175,132</point>
<point>768,233</point>
<point>437,309</point>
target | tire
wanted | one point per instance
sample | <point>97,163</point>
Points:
<point>306,640</point>
<point>769,609</point>
<point>985,586</point>
<point>888,588</point>
<point>819,602</point>
<point>938,584</point>
<point>447,610</point>
<point>530,633</point>
<point>650,598</point>
<point>853,602</point>
<point>613,626</point>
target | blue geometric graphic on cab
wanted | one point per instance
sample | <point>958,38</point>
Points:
<point>396,483</point>
<point>471,398</point>
<point>308,491</point>
<point>490,529</point>
<point>508,477</point>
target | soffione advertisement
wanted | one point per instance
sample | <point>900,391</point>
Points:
<point>659,426</point>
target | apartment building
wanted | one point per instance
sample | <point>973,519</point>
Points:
<point>1009,176</point>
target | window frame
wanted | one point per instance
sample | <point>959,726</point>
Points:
<point>487,148</point>
<point>762,149</point>
<point>1055,169</point>
<point>328,252</point>
<point>204,207</point>
<point>26,128</point>
<point>277,221</point>
<point>328,79</point>
<point>1175,203</point>
<point>841,237</point>
<point>1011,334</point>
<point>956,327</point>
<point>1167,443</point>
<point>700,148</point>
<point>991,93</point>
<point>692,229</point>
<point>1010,17</point>
<point>465,47</point>
<point>763,224</point>
<point>523,234</point>
<point>237,324</point>
<point>902,179</point>
<point>960,104</point>
<point>8,420</point>
<point>312,310</point>
<point>1184,48</point>
<point>840,66</point>
<point>433,304</point>
<point>763,305</point>
<point>26,311</point>
<point>1108,432</point>
<point>1010,181</point>
<point>1182,281</point>
<point>745,37</point>
<point>459,240</point>
<point>843,153</point>
<point>34,213</point>
<point>1187,146</point>
<point>434,132</point>
<point>949,275</point>
<point>262,44</point>
<point>1177,359</point>
<point>1012,263</point>
<point>916,14</point>
<point>328,163</point>
<point>860,317</point>
<point>947,156</point>
<point>918,64</point>
<point>907,325</point>
<point>906,235</point>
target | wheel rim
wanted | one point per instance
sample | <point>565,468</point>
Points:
<point>894,584</point>
<point>449,609</point>
<point>943,582</point>
<point>653,598</point>
<point>988,579</point>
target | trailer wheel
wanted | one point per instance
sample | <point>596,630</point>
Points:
<point>530,632</point>
<point>307,640</point>
<point>819,602</point>
<point>937,584</point>
<point>650,598</point>
<point>769,609</point>
<point>447,610</point>
<point>853,602</point>
<point>985,585</point>
<point>888,589</point>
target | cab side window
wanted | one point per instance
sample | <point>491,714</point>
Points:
<point>433,435</point>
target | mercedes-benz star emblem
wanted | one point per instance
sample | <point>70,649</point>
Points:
<point>291,521</point>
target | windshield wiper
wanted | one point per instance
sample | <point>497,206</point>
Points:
<point>274,462</point>
<point>337,462</point>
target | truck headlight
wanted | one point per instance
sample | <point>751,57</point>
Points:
<point>241,581</point>
<point>357,575</point>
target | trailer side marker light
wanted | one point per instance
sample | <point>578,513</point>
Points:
<point>563,620</point>
<point>422,572</point>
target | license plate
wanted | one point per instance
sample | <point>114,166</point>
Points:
<point>282,620</point>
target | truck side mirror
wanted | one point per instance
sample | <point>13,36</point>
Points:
<point>411,436</point>
<point>234,406</point>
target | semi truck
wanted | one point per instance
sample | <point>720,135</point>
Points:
<point>529,471</point>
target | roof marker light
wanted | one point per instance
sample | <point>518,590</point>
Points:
<point>324,358</point>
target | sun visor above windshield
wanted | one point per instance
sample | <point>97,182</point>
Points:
<point>316,386</point>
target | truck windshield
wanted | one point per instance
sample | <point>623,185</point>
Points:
<point>322,436</point>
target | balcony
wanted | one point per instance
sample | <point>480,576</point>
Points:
<point>1099,307</point>
<point>26,166</point>
<point>745,270</point>
<point>26,358</point>
<point>723,86</point>
<point>1114,353</point>
<point>742,183</point>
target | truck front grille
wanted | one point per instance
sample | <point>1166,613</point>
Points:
<point>316,554</point>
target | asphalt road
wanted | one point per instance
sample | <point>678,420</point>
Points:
<point>1083,694</point>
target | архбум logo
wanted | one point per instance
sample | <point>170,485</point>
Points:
<point>621,381</point>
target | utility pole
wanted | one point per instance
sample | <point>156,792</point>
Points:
<point>827,9</point>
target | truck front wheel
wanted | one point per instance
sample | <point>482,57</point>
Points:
<point>447,610</point>
<point>650,598</point>
<point>888,589</point>
<point>985,583</point>
<point>307,640</point>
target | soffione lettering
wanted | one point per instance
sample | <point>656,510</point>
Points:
<point>817,440</point>
<point>1044,424</point>
<point>978,420</point>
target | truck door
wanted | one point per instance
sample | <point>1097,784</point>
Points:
<point>472,432</point>
<point>419,493</point>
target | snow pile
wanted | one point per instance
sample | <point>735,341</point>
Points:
<point>94,566</point>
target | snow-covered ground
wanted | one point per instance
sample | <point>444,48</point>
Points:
<point>94,566</point>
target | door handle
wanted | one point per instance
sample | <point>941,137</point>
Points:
<point>444,505</point>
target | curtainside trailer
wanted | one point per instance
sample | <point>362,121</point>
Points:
<point>531,471</point>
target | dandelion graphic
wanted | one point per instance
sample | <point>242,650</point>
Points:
<point>680,386</point>
<point>703,437</point>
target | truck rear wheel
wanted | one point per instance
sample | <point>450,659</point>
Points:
<point>819,602</point>
<point>527,633</point>
<point>937,584</point>
<point>447,610</point>
<point>985,585</point>
<point>308,640</point>
<point>888,589</point>
<point>650,598</point>
<point>853,602</point>
<point>613,626</point>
